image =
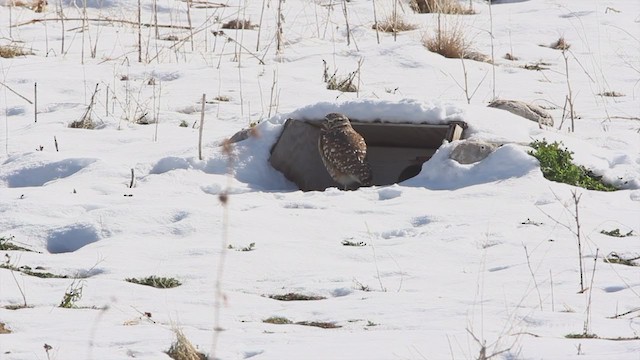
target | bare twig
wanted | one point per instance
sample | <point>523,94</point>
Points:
<point>535,283</point>
<point>204,102</point>
<point>279,33</point>
<point>230,39</point>
<point>35,102</point>
<point>569,93</point>
<point>625,313</point>
<point>576,217</point>
<point>13,91</point>
<point>587,321</point>
<point>107,19</point>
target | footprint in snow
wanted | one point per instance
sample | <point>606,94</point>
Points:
<point>40,174</point>
<point>71,238</point>
<point>419,221</point>
<point>300,205</point>
<point>389,193</point>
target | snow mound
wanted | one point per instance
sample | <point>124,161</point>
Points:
<point>442,173</point>
<point>251,156</point>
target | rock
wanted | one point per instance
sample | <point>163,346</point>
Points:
<point>528,111</point>
<point>471,151</point>
<point>241,135</point>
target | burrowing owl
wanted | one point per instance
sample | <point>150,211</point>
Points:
<point>343,152</point>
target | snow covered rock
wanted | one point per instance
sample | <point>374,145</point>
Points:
<point>469,152</point>
<point>528,111</point>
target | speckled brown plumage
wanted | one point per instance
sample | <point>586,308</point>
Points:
<point>343,152</point>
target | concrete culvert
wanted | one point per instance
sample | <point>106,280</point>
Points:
<point>395,151</point>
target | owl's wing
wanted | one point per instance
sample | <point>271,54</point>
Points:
<point>352,142</point>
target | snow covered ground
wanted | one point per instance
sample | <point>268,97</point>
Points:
<point>457,257</point>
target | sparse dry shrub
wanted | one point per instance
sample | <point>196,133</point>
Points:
<point>448,41</point>
<point>440,6</point>
<point>83,123</point>
<point>239,24</point>
<point>344,84</point>
<point>347,83</point>
<point>611,94</point>
<point>222,98</point>
<point>394,24</point>
<point>35,5</point>
<point>11,51</point>
<point>511,57</point>
<point>182,349</point>
<point>560,44</point>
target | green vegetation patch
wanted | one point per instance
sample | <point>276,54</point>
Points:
<point>320,324</point>
<point>6,244</point>
<point>156,282</point>
<point>616,233</point>
<point>28,271</point>
<point>296,297</point>
<point>278,320</point>
<point>556,165</point>
<point>614,258</point>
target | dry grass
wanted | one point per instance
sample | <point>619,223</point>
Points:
<point>83,123</point>
<point>510,57</point>
<point>448,41</point>
<point>611,94</point>
<point>4,329</point>
<point>182,349</point>
<point>440,6</point>
<point>344,84</point>
<point>394,24</point>
<point>35,5</point>
<point>278,320</point>
<point>560,44</point>
<point>222,98</point>
<point>239,24</point>
<point>11,51</point>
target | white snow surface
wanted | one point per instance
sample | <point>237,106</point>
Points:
<point>456,257</point>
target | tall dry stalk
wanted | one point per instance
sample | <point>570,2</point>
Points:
<point>575,213</point>
<point>62,32</point>
<point>279,33</point>
<point>576,202</point>
<point>260,25</point>
<point>395,20</point>
<point>375,21</point>
<point>139,31</point>
<point>569,98</point>
<point>273,96</point>
<point>346,20</point>
<point>493,62</point>
<point>227,149</point>
<point>189,22</point>
<point>35,102</point>
<point>204,102</point>
<point>85,22</point>
<point>587,321</point>
<point>155,18</point>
